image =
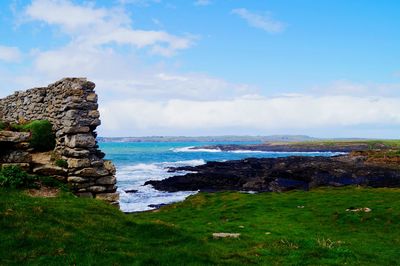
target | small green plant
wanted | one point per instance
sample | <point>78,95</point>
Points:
<point>43,138</point>
<point>49,181</point>
<point>14,177</point>
<point>61,163</point>
<point>2,125</point>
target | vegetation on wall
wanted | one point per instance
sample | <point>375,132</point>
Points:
<point>61,163</point>
<point>42,138</point>
<point>2,125</point>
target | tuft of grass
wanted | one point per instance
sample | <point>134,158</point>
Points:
<point>68,230</point>
<point>3,125</point>
<point>61,163</point>
<point>43,138</point>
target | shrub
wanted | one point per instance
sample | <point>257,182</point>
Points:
<point>15,177</point>
<point>2,125</point>
<point>49,181</point>
<point>61,163</point>
<point>43,138</point>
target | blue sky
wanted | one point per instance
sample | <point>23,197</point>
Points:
<point>322,68</point>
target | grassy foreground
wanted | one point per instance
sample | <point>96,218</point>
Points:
<point>275,230</point>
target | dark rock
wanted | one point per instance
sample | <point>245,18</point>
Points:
<point>280,174</point>
<point>157,206</point>
<point>131,191</point>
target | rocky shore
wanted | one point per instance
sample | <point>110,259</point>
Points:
<point>282,174</point>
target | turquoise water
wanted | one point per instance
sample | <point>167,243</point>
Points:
<point>142,161</point>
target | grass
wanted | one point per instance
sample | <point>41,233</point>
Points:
<point>275,230</point>
<point>372,144</point>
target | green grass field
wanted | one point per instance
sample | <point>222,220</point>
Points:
<point>275,230</point>
<point>373,144</point>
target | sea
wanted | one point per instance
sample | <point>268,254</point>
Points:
<point>138,162</point>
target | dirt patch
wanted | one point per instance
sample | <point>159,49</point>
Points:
<point>43,192</point>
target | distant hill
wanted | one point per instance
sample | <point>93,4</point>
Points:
<point>272,138</point>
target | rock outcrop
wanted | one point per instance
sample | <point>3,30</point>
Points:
<point>281,174</point>
<point>71,106</point>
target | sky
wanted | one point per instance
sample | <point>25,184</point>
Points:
<point>215,67</point>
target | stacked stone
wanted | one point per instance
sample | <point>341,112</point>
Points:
<point>71,106</point>
<point>14,149</point>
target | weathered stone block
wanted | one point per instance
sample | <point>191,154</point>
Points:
<point>106,180</point>
<point>96,189</point>
<point>76,179</point>
<point>50,170</point>
<point>92,172</point>
<point>84,194</point>
<point>80,141</point>
<point>14,137</point>
<point>110,167</point>
<point>79,153</point>
<point>78,163</point>
<point>15,156</point>
<point>94,114</point>
<point>76,129</point>
<point>110,197</point>
<point>92,97</point>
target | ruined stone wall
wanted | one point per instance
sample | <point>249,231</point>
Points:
<point>71,106</point>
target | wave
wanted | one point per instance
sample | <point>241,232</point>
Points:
<point>194,149</point>
<point>331,153</point>
<point>133,177</point>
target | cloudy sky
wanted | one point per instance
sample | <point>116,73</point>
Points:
<point>215,67</point>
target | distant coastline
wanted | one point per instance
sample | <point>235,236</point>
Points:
<point>227,138</point>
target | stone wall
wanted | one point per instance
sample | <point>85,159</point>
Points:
<point>71,106</point>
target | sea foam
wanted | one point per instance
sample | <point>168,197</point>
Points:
<point>132,178</point>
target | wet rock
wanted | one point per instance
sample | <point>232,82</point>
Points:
<point>131,191</point>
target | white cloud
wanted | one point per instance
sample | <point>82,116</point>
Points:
<point>89,26</point>
<point>142,99</point>
<point>255,115</point>
<point>264,22</point>
<point>119,75</point>
<point>139,2</point>
<point>9,54</point>
<point>202,2</point>
<point>346,87</point>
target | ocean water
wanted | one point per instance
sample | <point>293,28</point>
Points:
<point>139,162</point>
